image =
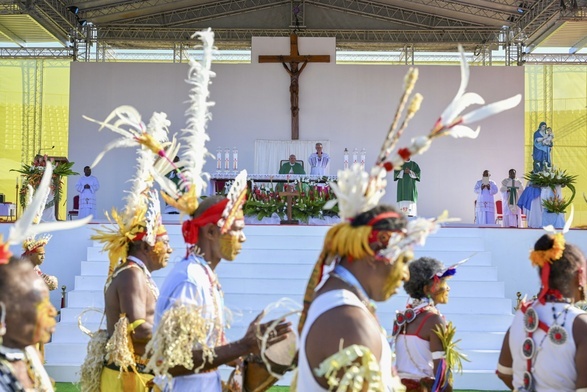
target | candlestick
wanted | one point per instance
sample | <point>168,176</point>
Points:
<point>234,159</point>
<point>226,159</point>
<point>355,155</point>
<point>346,158</point>
<point>219,159</point>
<point>363,157</point>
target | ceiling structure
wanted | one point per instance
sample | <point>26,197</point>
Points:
<point>518,26</point>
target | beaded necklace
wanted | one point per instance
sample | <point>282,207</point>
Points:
<point>556,333</point>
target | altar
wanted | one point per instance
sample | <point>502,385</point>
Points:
<point>218,180</point>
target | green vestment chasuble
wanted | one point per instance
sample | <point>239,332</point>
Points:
<point>406,185</point>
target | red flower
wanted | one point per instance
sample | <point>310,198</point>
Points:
<point>5,253</point>
<point>388,166</point>
<point>404,153</point>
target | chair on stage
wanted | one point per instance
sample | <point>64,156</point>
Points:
<point>287,160</point>
<point>75,210</point>
<point>498,211</point>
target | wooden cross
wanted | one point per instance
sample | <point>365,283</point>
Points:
<point>293,60</point>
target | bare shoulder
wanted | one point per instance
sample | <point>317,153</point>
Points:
<point>580,327</point>
<point>128,277</point>
<point>349,324</point>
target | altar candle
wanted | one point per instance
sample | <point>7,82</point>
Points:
<point>234,159</point>
<point>219,158</point>
<point>227,159</point>
<point>346,158</point>
<point>363,157</point>
<point>355,155</point>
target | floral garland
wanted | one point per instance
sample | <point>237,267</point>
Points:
<point>539,258</point>
<point>34,173</point>
<point>552,178</point>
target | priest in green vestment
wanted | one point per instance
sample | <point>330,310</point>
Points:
<point>407,193</point>
<point>292,167</point>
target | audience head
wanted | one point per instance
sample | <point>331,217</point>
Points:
<point>28,314</point>
<point>424,280</point>
<point>561,266</point>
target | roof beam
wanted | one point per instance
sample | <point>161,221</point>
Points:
<point>578,45</point>
<point>12,36</point>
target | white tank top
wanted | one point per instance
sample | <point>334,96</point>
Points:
<point>553,365</point>
<point>413,357</point>
<point>320,305</point>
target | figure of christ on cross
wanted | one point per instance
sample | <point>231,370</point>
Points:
<point>291,65</point>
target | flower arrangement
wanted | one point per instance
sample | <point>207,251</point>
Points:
<point>263,201</point>
<point>553,178</point>
<point>34,172</point>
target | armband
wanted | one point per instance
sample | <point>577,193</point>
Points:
<point>508,371</point>
<point>438,355</point>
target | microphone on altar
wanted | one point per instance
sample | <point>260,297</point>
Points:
<point>45,149</point>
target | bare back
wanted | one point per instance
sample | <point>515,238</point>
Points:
<point>129,294</point>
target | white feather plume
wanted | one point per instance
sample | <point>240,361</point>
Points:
<point>194,136</point>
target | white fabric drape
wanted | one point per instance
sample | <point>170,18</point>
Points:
<point>268,153</point>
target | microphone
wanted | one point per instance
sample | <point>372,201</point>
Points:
<point>45,149</point>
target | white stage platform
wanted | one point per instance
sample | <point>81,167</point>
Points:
<point>276,262</point>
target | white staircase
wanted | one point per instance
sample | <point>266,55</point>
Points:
<point>277,261</point>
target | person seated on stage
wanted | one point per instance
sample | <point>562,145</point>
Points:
<point>545,348</point>
<point>27,318</point>
<point>421,353</point>
<point>292,167</point>
<point>485,207</point>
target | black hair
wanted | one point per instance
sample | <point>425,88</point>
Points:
<point>563,269</point>
<point>421,271</point>
<point>396,223</point>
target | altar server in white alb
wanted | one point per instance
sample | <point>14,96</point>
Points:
<point>318,161</point>
<point>511,189</point>
<point>485,207</point>
<point>87,186</point>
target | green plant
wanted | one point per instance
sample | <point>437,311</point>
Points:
<point>34,173</point>
<point>552,178</point>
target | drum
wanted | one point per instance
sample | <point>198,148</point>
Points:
<point>261,372</point>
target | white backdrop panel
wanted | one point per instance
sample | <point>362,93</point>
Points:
<point>349,105</point>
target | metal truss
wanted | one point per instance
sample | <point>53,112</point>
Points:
<point>32,75</point>
<point>36,53</point>
<point>534,19</point>
<point>390,13</point>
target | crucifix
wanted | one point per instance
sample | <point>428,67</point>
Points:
<point>291,64</point>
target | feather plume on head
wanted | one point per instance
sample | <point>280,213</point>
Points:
<point>141,216</point>
<point>358,191</point>
<point>28,227</point>
<point>193,180</point>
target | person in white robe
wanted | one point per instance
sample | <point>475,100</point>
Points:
<point>87,186</point>
<point>318,161</point>
<point>485,206</point>
<point>511,190</point>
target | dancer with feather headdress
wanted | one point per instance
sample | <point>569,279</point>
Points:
<point>342,345</point>
<point>189,342</point>
<point>27,317</point>
<point>137,244</point>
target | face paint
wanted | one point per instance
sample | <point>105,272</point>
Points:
<point>399,272</point>
<point>439,292</point>
<point>45,322</point>
<point>162,250</point>
<point>230,246</point>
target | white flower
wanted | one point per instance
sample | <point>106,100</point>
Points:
<point>452,123</point>
<point>419,145</point>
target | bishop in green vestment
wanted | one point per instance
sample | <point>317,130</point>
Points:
<point>292,167</point>
<point>407,193</point>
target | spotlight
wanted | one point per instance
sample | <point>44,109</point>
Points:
<point>521,10</point>
<point>73,9</point>
<point>82,22</point>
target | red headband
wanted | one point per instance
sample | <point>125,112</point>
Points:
<point>191,228</point>
<point>378,218</point>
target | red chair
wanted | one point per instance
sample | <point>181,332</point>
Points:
<point>75,211</point>
<point>498,211</point>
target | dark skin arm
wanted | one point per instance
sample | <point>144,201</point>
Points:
<point>506,360</point>
<point>580,336</point>
<point>133,298</point>
<point>350,324</point>
<point>230,352</point>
